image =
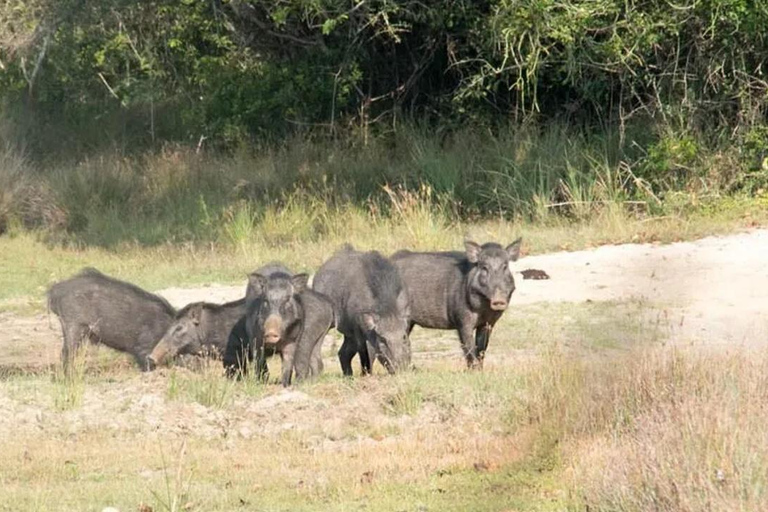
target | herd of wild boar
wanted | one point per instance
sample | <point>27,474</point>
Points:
<point>372,300</point>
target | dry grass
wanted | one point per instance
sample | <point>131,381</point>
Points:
<point>621,426</point>
<point>673,431</point>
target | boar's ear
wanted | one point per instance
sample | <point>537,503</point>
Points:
<point>299,282</point>
<point>257,282</point>
<point>473,251</point>
<point>196,313</point>
<point>369,321</point>
<point>513,249</point>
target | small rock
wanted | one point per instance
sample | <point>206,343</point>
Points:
<point>149,400</point>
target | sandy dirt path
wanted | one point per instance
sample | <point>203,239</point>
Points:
<point>712,291</point>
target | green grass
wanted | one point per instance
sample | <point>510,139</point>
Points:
<point>28,264</point>
<point>307,190</point>
<point>70,384</point>
<point>206,385</point>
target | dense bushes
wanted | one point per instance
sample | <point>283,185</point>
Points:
<point>498,107</point>
<point>228,69</point>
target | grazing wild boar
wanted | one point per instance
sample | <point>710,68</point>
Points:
<point>371,307</point>
<point>200,328</point>
<point>464,291</point>
<point>283,316</point>
<point>104,310</point>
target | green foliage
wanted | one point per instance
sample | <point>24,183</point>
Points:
<point>69,383</point>
<point>230,70</point>
<point>755,179</point>
<point>671,160</point>
<point>495,108</point>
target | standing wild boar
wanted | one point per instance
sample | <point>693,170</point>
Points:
<point>283,316</point>
<point>464,291</point>
<point>104,310</point>
<point>199,328</point>
<point>371,306</point>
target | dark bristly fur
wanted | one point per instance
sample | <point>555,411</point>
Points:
<point>466,291</point>
<point>120,315</point>
<point>199,328</point>
<point>384,283</point>
<point>304,315</point>
<point>371,306</point>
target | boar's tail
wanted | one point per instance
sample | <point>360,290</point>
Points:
<point>52,304</point>
<point>54,299</point>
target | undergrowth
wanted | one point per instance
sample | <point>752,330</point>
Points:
<point>305,191</point>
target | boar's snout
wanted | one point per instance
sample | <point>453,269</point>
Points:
<point>498,305</point>
<point>272,327</point>
<point>499,302</point>
<point>158,355</point>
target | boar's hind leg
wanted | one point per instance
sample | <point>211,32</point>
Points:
<point>74,334</point>
<point>346,354</point>
<point>316,359</point>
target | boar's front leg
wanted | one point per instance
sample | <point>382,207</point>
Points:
<point>482,338</point>
<point>287,355</point>
<point>467,337</point>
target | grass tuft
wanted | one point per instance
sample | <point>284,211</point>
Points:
<point>69,384</point>
<point>174,497</point>
<point>207,385</point>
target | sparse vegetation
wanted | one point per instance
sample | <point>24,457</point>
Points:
<point>69,384</point>
<point>173,498</point>
<point>651,427</point>
<point>206,384</point>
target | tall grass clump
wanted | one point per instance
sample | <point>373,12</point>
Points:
<point>25,202</point>
<point>665,430</point>
<point>69,383</point>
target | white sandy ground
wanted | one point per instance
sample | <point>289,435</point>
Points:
<point>713,290</point>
